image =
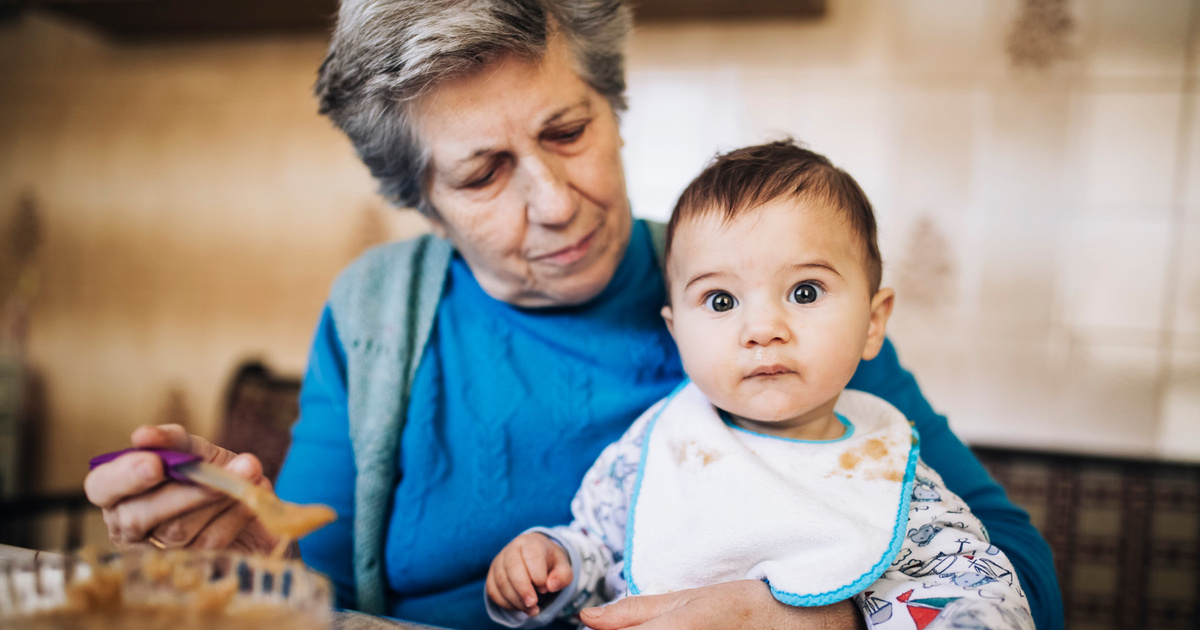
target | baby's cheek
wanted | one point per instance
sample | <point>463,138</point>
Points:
<point>722,390</point>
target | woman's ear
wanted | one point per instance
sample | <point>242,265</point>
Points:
<point>667,315</point>
<point>881,310</point>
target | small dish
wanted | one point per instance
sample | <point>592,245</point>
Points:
<point>150,590</point>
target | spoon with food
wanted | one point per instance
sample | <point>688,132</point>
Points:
<point>288,521</point>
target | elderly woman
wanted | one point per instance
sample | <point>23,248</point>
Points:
<point>460,384</point>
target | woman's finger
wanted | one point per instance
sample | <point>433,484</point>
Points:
<point>633,611</point>
<point>225,528</point>
<point>741,603</point>
<point>217,525</point>
<point>135,473</point>
<point>176,438</point>
<point>128,475</point>
<point>133,519</point>
<point>181,531</point>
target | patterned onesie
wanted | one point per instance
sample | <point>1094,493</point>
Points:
<point>937,571</point>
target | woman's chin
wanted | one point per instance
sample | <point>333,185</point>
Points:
<point>571,291</point>
<point>573,284</point>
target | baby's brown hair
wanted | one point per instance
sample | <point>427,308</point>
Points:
<point>744,179</point>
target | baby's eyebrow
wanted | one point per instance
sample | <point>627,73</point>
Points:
<point>703,276</point>
<point>819,264</point>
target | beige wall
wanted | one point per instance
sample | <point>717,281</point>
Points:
<point>195,209</point>
<point>1041,226</point>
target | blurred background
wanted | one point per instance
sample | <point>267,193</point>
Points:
<point>173,211</point>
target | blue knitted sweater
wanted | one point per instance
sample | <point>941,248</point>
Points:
<point>361,375</point>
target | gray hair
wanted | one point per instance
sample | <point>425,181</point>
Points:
<point>386,53</point>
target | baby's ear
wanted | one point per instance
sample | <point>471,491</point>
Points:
<point>667,317</point>
<point>881,310</point>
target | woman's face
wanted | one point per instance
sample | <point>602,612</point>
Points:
<point>526,179</point>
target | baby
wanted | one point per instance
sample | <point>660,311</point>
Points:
<point>762,465</point>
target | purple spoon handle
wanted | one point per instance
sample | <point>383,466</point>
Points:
<point>170,459</point>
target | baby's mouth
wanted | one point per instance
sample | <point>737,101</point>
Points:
<point>769,371</point>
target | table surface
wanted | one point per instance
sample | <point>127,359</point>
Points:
<point>342,620</point>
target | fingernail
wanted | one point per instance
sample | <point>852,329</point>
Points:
<point>592,612</point>
<point>530,601</point>
<point>533,612</point>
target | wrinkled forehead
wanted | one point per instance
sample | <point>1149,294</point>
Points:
<point>499,104</point>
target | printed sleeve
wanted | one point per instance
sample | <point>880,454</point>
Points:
<point>595,539</point>
<point>1008,525</point>
<point>947,574</point>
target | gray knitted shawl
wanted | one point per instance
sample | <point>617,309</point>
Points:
<point>384,305</point>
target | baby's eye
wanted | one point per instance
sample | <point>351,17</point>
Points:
<point>806,293</point>
<point>720,301</point>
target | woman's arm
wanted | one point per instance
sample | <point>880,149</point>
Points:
<point>320,464</point>
<point>737,604</point>
<point>1007,524</point>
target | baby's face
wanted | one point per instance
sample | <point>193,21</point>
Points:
<point>773,312</point>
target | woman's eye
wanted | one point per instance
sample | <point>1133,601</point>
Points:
<point>806,293</point>
<point>569,136</point>
<point>480,182</point>
<point>720,301</point>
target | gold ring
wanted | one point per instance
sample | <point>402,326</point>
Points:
<point>158,544</point>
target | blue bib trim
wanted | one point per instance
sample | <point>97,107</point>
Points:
<point>846,435</point>
<point>868,578</point>
<point>637,489</point>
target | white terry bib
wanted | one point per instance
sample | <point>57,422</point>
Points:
<point>818,521</point>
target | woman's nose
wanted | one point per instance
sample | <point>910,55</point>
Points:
<point>765,326</point>
<point>549,198</point>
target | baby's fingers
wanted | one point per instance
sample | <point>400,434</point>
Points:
<point>499,587</point>
<point>524,595</point>
<point>560,571</point>
<point>495,593</point>
<point>537,560</point>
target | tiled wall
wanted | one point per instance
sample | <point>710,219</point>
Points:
<point>1041,225</point>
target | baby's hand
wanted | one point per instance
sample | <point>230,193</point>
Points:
<point>530,564</point>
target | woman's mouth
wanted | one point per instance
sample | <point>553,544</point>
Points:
<point>570,254</point>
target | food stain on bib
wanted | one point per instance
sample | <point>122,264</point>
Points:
<point>867,461</point>
<point>688,452</point>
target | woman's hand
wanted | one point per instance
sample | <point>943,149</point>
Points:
<point>530,564</point>
<point>740,604</point>
<point>139,504</point>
